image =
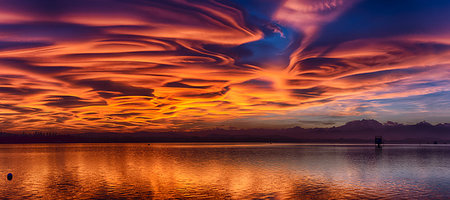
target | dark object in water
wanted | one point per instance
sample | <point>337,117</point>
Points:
<point>378,141</point>
<point>9,176</point>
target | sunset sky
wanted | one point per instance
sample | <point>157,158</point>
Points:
<point>142,65</point>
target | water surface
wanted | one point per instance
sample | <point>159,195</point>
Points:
<point>224,171</point>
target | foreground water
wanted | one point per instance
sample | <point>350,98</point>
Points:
<point>224,171</point>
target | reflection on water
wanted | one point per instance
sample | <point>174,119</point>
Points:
<point>224,171</point>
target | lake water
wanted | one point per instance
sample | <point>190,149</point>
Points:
<point>224,171</point>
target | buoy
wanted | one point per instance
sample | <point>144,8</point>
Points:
<point>9,176</point>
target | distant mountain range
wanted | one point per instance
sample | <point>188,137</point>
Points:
<point>359,131</point>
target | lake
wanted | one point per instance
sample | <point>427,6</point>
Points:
<point>224,171</point>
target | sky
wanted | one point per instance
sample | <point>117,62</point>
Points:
<point>143,65</point>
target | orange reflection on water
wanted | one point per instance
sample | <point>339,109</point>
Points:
<point>217,171</point>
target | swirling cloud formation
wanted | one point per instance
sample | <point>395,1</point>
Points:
<point>139,65</point>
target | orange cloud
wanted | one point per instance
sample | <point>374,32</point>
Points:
<point>138,66</point>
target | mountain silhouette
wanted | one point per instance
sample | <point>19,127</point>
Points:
<point>365,124</point>
<point>358,131</point>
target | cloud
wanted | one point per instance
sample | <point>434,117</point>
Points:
<point>124,115</point>
<point>108,89</point>
<point>257,83</point>
<point>314,92</point>
<point>34,68</point>
<point>15,45</point>
<point>183,85</point>
<point>23,91</point>
<point>397,18</point>
<point>210,94</point>
<point>49,31</point>
<point>71,102</point>
<point>158,65</point>
<point>22,110</point>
